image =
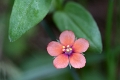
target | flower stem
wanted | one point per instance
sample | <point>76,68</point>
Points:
<point>109,24</point>
<point>74,74</point>
<point>59,4</point>
<point>109,56</point>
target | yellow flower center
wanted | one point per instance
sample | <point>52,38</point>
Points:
<point>67,49</point>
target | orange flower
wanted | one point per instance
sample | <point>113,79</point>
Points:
<point>68,50</point>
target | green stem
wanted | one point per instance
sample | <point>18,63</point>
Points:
<point>109,24</point>
<point>109,56</point>
<point>59,4</point>
<point>74,74</point>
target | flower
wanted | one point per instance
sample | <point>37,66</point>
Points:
<point>68,50</point>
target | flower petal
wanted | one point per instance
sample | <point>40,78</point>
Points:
<point>77,60</point>
<point>67,38</point>
<point>61,61</point>
<point>80,45</point>
<point>54,48</point>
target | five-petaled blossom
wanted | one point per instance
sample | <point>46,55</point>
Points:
<point>68,50</point>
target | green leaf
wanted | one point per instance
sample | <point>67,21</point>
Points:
<point>74,17</point>
<point>26,14</point>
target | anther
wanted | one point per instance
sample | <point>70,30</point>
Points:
<point>63,46</point>
<point>67,50</point>
<point>68,46</point>
<point>70,49</point>
<point>63,49</point>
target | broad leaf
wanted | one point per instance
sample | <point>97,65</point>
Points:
<point>26,14</point>
<point>74,17</point>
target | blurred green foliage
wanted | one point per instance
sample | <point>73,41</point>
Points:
<point>27,59</point>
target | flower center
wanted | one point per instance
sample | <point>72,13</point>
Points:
<point>67,49</point>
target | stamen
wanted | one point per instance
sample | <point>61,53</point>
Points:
<point>70,49</point>
<point>67,50</point>
<point>68,46</point>
<point>63,49</point>
<point>63,46</point>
